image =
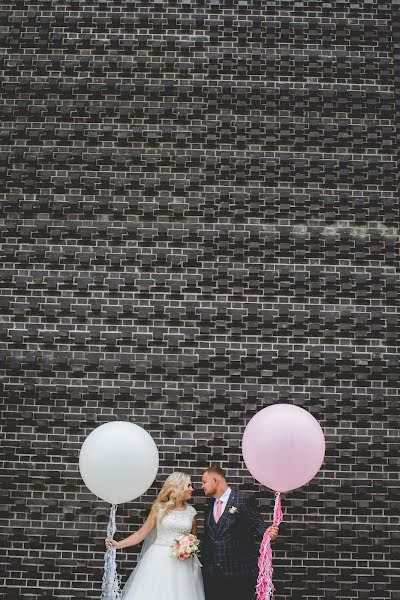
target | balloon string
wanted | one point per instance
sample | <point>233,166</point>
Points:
<point>265,588</point>
<point>110,589</point>
<point>278,514</point>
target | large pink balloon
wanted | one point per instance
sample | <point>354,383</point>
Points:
<point>283,447</point>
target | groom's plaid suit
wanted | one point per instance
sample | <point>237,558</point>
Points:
<point>229,548</point>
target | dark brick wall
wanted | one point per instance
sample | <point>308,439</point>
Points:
<point>201,218</point>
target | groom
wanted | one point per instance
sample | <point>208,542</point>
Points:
<point>229,555</point>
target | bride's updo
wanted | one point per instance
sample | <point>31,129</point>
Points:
<point>171,493</point>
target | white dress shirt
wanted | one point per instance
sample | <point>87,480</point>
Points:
<point>224,498</point>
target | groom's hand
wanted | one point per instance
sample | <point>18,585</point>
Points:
<point>273,532</point>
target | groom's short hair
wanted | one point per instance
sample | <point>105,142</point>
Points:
<point>216,471</point>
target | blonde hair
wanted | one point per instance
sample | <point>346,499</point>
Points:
<point>171,493</point>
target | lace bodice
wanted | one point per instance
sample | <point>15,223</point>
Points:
<point>174,524</point>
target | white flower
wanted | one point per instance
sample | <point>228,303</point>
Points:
<point>232,510</point>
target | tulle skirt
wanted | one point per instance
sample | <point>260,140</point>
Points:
<point>160,576</point>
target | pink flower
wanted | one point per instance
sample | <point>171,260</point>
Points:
<point>185,546</point>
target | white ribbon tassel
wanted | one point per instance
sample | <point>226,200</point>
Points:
<point>110,589</point>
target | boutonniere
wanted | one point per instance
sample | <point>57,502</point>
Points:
<point>232,510</point>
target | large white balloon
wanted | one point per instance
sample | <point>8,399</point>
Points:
<point>118,461</point>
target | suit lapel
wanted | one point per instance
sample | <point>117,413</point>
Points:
<point>208,517</point>
<point>224,517</point>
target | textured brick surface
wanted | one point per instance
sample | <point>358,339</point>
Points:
<point>201,214</point>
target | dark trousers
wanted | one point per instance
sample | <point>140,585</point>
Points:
<point>221,587</point>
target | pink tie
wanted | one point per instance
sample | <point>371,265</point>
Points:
<point>218,511</point>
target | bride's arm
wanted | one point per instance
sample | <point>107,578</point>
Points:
<point>194,526</point>
<point>136,537</point>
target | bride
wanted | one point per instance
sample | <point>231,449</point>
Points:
<point>158,575</point>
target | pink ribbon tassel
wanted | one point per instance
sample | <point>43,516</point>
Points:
<point>265,588</point>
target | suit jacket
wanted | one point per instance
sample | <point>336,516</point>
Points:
<point>229,546</point>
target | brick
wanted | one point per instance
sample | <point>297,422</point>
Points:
<point>199,218</point>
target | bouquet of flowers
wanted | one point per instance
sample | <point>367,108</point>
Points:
<point>186,546</point>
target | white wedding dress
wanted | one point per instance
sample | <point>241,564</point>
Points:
<point>160,576</point>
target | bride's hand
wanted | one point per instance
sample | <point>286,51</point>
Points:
<point>111,543</point>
